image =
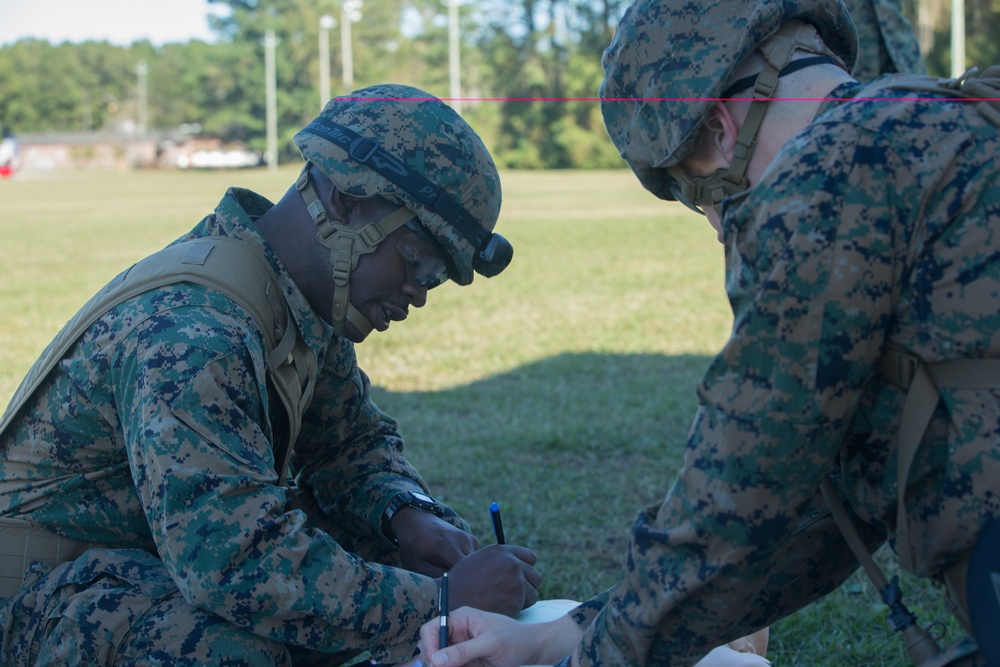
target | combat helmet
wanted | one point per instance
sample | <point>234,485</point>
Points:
<point>411,148</point>
<point>670,61</point>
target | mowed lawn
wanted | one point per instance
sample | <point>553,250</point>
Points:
<point>562,389</point>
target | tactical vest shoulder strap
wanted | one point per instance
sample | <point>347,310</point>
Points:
<point>229,266</point>
<point>922,382</point>
<point>982,89</point>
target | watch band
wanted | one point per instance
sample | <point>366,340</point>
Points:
<point>414,499</point>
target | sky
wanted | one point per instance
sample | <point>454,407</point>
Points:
<point>117,21</point>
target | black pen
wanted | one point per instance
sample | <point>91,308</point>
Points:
<point>443,612</point>
<point>497,523</point>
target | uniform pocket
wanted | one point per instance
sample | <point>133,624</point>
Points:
<point>81,611</point>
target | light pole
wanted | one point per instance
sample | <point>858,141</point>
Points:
<point>270,42</point>
<point>454,71</point>
<point>350,12</point>
<point>325,23</point>
<point>142,71</point>
<point>957,38</point>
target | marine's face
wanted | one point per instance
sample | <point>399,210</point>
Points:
<point>396,275</point>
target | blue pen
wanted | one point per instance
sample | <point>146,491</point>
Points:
<point>443,612</point>
<point>497,523</point>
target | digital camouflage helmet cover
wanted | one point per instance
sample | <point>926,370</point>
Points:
<point>670,61</point>
<point>405,145</point>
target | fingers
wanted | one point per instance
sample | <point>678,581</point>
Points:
<point>523,553</point>
<point>525,557</point>
<point>532,580</point>
<point>533,576</point>
<point>530,596</point>
<point>474,640</point>
<point>458,654</point>
<point>498,578</point>
<point>459,634</point>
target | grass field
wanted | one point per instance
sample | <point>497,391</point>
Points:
<point>562,389</point>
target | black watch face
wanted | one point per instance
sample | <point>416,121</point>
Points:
<point>423,497</point>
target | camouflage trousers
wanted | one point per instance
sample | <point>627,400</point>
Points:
<point>121,607</point>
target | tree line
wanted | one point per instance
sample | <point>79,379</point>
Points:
<point>530,70</point>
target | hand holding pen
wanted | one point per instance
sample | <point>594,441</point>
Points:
<point>503,579</point>
<point>500,578</point>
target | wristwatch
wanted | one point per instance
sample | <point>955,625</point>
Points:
<point>414,499</point>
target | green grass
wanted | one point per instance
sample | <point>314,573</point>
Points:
<point>562,389</point>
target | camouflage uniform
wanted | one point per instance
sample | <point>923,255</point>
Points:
<point>876,225</point>
<point>887,40</point>
<point>153,438</point>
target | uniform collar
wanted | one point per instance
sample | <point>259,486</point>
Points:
<point>234,217</point>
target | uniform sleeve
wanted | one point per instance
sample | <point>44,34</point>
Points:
<point>813,255</point>
<point>349,454</point>
<point>584,614</point>
<point>191,391</point>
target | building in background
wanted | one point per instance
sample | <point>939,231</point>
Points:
<point>68,151</point>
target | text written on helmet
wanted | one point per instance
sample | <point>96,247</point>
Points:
<point>381,161</point>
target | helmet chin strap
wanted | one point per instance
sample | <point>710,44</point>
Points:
<point>777,52</point>
<point>346,245</point>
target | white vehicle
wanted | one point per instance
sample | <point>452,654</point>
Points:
<point>233,158</point>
